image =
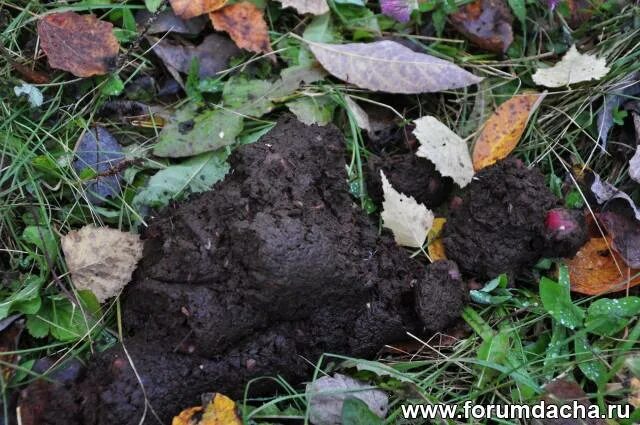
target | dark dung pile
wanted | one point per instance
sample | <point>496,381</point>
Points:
<point>258,277</point>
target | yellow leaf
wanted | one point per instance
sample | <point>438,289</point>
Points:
<point>435,246</point>
<point>503,130</point>
<point>221,410</point>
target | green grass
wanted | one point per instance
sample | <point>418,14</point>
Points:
<point>41,192</point>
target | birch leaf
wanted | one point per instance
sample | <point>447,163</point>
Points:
<point>315,7</point>
<point>388,66</point>
<point>101,259</point>
<point>408,220</point>
<point>574,67</point>
<point>445,149</point>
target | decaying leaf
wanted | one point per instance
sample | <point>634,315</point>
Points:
<point>486,23</point>
<point>315,7</point>
<point>596,269</point>
<point>100,152</point>
<point>634,166</point>
<point>168,21</point>
<point>606,193</point>
<point>562,391</point>
<point>192,132</point>
<point>625,234</point>
<point>194,175</point>
<point>619,92</point>
<point>187,9</point>
<point>448,152</point>
<point>404,216</point>
<point>213,54</point>
<point>312,109</point>
<point>80,44</point>
<point>435,246</point>
<point>359,114</point>
<point>400,10</point>
<point>574,67</point>
<point>221,410</point>
<point>390,67</point>
<point>101,259</point>
<point>245,24</point>
<point>503,130</point>
<point>327,395</point>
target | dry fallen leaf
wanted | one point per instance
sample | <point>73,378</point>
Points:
<point>315,7</point>
<point>101,259</point>
<point>634,166</point>
<point>80,44</point>
<point>448,152</point>
<point>486,23</point>
<point>625,234</point>
<point>594,269</point>
<point>359,114</point>
<point>390,67</point>
<point>327,395</point>
<point>221,410</point>
<point>408,220</point>
<point>187,9</point>
<point>245,24</point>
<point>574,67</point>
<point>435,247</point>
<point>503,130</point>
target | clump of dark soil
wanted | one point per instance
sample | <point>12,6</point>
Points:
<point>408,174</point>
<point>258,277</point>
<point>499,227</point>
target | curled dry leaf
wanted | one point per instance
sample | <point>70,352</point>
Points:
<point>187,9</point>
<point>634,166</point>
<point>221,410</point>
<point>574,67</point>
<point>390,67</point>
<point>80,44</point>
<point>245,24</point>
<point>486,23</point>
<point>596,269</point>
<point>606,194</point>
<point>503,130</point>
<point>404,216</point>
<point>315,7</point>
<point>101,259</point>
<point>443,147</point>
<point>625,233</point>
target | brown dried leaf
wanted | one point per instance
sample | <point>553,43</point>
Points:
<point>101,259</point>
<point>486,23</point>
<point>503,130</point>
<point>596,269</point>
<point>213,54</point>
<point>390,67</point>
<point>245,24</point>
<point>625,233</point>
<point>187,9</point>
<point>80,44</point>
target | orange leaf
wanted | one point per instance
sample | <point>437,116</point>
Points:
<point>435,247</point>
<point>187,9</point>
<point>221,410</point>
<point>593,271</point>
<point>80,44</point>
<point>245,24</point>
<point>503,130</point>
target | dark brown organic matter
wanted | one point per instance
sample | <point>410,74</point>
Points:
<point>408,174</point>
<point>486,23</point>
<point>499,225</point>
<point>258,277</point>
